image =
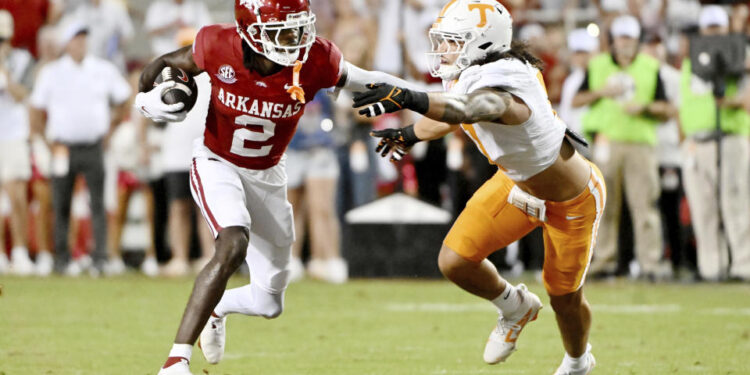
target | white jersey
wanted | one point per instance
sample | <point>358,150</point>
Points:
<point>522,150</point>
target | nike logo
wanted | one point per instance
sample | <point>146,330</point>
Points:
<point>507,295</point>
<point>573,217</point>
<point>183,76</point>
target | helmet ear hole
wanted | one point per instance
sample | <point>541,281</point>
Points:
<point>485,46</point>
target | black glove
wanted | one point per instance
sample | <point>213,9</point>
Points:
<point>384,98</point>
<point>399,140</point>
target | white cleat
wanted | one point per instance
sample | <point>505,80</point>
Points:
<point>20,263</point>
<point>44,263</point>
<point>502,341</point>
<point>564,369</point>
<point>180,368</point>
<point>213,339</point>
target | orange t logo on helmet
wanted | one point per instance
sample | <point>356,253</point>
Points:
<point>483,8</point>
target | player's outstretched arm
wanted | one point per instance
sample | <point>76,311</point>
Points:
<point>149,99</point>
<point>356,79</point>
<point>400,141</point>
<point>489,105</point>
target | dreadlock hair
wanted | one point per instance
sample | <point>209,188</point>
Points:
<point>518,50</point>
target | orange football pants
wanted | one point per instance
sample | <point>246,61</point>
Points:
<point>489,223</point>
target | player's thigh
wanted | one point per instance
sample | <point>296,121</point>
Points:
<point>489,222</point>
<point>219,193</point>
<point>570,237</point>
<point>268,206</point>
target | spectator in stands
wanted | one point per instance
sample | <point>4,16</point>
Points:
<point>30,16</point>
<point>312,172</point>
<point>627,99</point>
<point>15,166</point>
<point>75,92</point>
<point>354,34</point>
<point>700,171</point>
<point>165,18</point>
<point>41,192</point>
<point>668,151</point>
<point>582,47</point>
<point>110,28</point>
<point>126,150</point>
<point>176,154</point>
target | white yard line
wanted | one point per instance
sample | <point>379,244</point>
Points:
<point>634,309</point>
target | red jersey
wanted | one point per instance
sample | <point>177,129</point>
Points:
<point>251,118</point>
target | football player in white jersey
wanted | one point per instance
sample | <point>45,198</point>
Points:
<point>495,92</point>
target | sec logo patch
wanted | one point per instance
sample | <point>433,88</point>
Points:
<point>226,74</point>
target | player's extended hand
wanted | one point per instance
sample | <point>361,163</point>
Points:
<point>150,104</point>
<point>383,98</point>
<point>400,141</point>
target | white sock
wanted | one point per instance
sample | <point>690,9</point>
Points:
<point>182,351</point>
<point>577,363</point>
<point>508,301</point>
<point>250,300</point>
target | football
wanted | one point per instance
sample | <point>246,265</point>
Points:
<point>185,91</point>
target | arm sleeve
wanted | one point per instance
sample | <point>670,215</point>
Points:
<point>198,49</point>
<point>660,94</point>
<point>40,95</point>
<point>357,78</point>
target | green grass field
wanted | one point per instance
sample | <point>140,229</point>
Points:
<point>126,326</point>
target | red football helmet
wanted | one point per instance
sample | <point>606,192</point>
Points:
<point>261,23</point>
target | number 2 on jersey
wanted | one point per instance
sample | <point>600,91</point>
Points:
<point>243,134</point>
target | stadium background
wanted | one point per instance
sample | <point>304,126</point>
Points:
<point>682,325</point>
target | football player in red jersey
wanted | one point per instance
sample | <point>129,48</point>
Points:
<point>262,71</point>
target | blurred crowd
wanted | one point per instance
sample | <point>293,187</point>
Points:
<point>85,177</point>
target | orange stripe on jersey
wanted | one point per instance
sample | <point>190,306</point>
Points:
<point>469,128</point>
<point>540,77</point>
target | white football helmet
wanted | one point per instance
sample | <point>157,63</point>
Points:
<point>469,30</point>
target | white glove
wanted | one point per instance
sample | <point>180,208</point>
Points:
<point>151,105</point>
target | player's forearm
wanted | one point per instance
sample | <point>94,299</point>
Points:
<point>427,129</point>
<point>356,79</point>
<point>482,105</point>
<point>149,74</point>
<point>180,59</point>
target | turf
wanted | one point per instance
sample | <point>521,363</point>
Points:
<point>126,326</point>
